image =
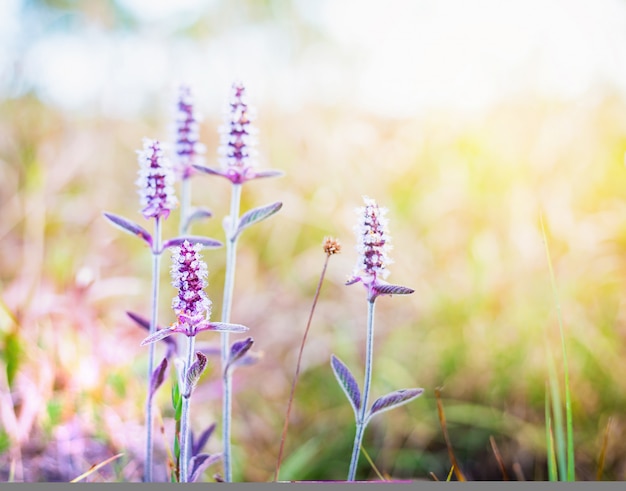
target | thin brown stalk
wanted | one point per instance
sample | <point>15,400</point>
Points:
<point>605,443</point>
<point>331,246</point>
<point>434,476</point>
<point>496,452</point>
<point>442,421</point>
<point>95,467</point>
<point>371,462</point>
<point>517,469</point>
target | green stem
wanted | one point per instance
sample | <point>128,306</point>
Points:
<point>229,286</point>
<point>185,429</point>
<point>185,205</point>
<point>571,475</point>
<point>361,421</point>
<point>156,256</point>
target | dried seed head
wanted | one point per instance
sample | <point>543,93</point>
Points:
<point>331,246</point>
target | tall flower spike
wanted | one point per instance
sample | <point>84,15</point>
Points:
<point>191,305</point>
<point>189,273</point>
<point>238,135</point>
<point>155,182</point>
<point>373,246</point>
<point>238,141</point>
<point>187,128</point>
<point>373,243</point>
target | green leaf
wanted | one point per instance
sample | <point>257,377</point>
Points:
<point>256,215</point>
<point>347,382</point>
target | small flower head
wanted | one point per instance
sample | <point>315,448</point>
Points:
<point>238,136</point>
<point>187,129</point>
<point>238,142</point>
<point>331,246</point>
<point>191,306</point>
<point>189,275</point>
<point>373,245</point>
<point>155,182</point>
<point>373,241</point>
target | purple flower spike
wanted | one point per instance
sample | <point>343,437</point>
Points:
<point>155,182</point>
<point>191,305</point>
<point>189,273</point>
<point>187,127</point>
<point>373,245</point>
<point>238,142</point>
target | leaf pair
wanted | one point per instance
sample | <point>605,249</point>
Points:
<point>351,388</point>
<point>202,325</point>
<point>137,230</point>
<point>253,216</point>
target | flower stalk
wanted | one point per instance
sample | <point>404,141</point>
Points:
<point>156,261</point>
<point>188,150</point>
<point>157,198</point>
<point>193,312</point>
<point>373,245</point>
<point>331,246</point>
<point>237,164</point>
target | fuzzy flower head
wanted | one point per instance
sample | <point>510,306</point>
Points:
<point>189,275</point>
<point>238,141</point>
<point>373,241</point>
<point>191,306</point>
<point>238,136</point>
<point>187,133</point>
<point>155,182</point>
<point>373,245</point>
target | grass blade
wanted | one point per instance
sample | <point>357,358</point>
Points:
<point>571,474</point>
<point>444,428</point>
<point>496,452</point>
<point>550,450</point>
<point>605,443</point>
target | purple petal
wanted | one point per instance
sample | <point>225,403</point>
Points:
<point>172,347</point>
<point>198,463</point>
<point>158,335</point>
<point>394,399</point>
<point>157,378</point>
<point>192,239</point>
<point>237,351</point>
<point>130,227</point>
<point>352,280</point>
<point>347,382</point>
<point>211,170</point>
<point>256,215</point>
<point>196,447</point>
<point>267,173</point>
<point>140,320</point>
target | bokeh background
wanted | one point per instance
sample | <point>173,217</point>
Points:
<point>468,120</point>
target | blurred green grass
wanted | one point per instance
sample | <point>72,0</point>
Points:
<point>464,198</point>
